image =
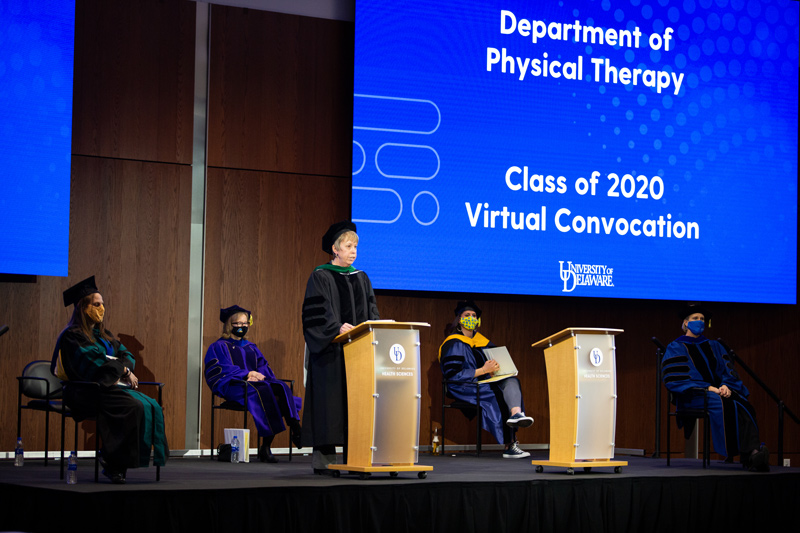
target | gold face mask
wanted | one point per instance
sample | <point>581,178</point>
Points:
<point>96,314</point>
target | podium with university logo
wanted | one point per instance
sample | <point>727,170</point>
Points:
<point>383,398</point>
<point>582,383</point>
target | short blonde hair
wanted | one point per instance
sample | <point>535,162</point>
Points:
<point>344,237</point>
<point>227,329</point>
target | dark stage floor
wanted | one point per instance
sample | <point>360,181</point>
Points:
<point>203,473</point>
<point>462,493</point>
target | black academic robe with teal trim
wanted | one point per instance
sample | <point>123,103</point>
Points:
<point>332,298</point>
<point>130,423</point>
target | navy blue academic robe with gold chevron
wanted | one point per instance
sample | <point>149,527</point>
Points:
<point>459,357</point>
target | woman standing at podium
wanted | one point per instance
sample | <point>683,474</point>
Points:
<point>462,358</point>
<point>338,298</point>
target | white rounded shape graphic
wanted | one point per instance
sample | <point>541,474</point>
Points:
<point>397,353</point>
<point>413,212</point>
<point>363,157</point>
<point>407,176</point>
<point>380,190</point>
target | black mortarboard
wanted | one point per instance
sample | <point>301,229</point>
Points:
<point>692,308</point>
<point>83,288</point>
<point>333,233</point>
<point>464,305</point>
<point>225,314</point>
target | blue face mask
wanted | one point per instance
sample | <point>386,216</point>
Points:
<point>696,326</point>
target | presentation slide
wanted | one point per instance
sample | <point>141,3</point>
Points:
<point>608,148</point>
<point>36,65</point>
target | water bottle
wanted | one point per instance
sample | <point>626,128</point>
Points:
<point>235,450</point>
<point>72,469</point>
<point>19,454</point>
<point>435,443</point>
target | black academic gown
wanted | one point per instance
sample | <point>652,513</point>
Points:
<point>334,296</point>
<point>130,423</point>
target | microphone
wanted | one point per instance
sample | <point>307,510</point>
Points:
<point>3,329</point>
<point>722,342</point>
<point>658,344</point>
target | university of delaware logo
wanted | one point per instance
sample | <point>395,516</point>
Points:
<point>576,274</point>
<point>397,353</point>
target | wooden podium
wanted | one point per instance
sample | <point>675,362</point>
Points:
<point>383,398</point>
<point>582,383</point>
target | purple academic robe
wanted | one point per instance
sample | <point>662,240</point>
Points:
<point>228,362</point>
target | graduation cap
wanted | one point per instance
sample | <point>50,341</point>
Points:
<point>333,233</point>
<point>467,305</point>
<point>83,288</point>
<point>226,313</point>
<point>692,308</point>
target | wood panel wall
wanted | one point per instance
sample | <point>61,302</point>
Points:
<point>134,80</point>
<point>263,238</point>
<point>279,145</point>
<point>281,93</point>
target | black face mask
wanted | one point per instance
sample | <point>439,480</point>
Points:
<point>240,332</point>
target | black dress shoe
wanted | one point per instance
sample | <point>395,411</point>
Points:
<point>759,461</point>
<point>323,472</point>
<point>265,455</point>
<point>296,439</point>
<point>117,477</point>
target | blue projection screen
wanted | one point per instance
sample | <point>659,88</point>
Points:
<point>604,148</point>
<point>36,66</point>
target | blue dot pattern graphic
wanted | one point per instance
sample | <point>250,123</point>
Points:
<point>733,54</point>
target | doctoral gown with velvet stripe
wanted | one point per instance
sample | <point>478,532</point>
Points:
<point>459,357</point>
<point>700,362</point>
<point>334,296</point>
<point>228,362</point>
<point>130,423</point>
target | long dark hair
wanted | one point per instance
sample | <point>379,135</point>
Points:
<point>81,321</point>
<point>454,327</point>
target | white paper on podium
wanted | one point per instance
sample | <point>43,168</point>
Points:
<point>244,442</point>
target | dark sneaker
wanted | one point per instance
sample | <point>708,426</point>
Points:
<point>515,452</point>
<point>519,420</point>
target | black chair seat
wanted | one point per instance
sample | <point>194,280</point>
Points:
<point>470,410</point>
<point>231,405</point>
<point>45,405</point>
<point>688,418</point>
<point>43,393</point>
